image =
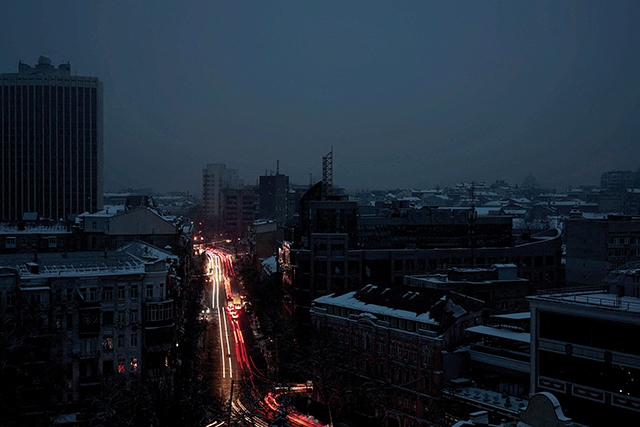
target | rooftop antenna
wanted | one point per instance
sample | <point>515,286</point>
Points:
<point>327,175</point>
<point>472,224</point>
<point>277,167</point>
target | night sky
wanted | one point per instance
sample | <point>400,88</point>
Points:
<point>410,94</point>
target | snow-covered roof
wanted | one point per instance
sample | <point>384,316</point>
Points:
<point>348,301</point>
<point>514,316</point>
<point>501,333</point>
<point>270,264</point>
<point>57,228</point>
<point>429,306</point>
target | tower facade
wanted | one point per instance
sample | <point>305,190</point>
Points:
<point>51,142</point>
<point>273,192</point>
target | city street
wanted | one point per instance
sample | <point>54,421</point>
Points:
<point>231,353</point>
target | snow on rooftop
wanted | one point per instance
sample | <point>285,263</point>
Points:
<point>270,264</point>
<point>501,333</point>
<point>56,228</point>
<point>349,301</point>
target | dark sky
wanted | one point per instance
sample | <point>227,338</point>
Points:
<point>409,93</point>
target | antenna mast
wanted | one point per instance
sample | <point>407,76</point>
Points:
<point>327,175</point>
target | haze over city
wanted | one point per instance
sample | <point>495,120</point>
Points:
<point>412,94</point>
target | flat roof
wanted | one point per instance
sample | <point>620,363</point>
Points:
<point>501,333</point>
<point>596,299</point>
<point>514,316</point>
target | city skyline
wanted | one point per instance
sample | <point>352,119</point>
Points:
<point>417,95</point>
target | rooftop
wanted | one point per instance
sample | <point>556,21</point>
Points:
<point>600,299</point>
<point>428,306</point>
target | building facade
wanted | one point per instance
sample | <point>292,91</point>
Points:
<point>596,247</point>
<point>93,315</point>
<point>215,178</point>
<point>51,142</point>
<point>395,338</point>
<point>273,194</point>
<point>584,350</point>
<point>336,248</point>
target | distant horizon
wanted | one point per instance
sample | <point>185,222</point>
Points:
<point>351,190</point>
<point>409,95</point>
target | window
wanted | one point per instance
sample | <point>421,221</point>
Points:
<point>107,318</point>
<point>36,298</point>
<point>134,364</point>
<point>10,298</point>
<point>121,366</point>
<point>121,292</point>
<point>107,344</point>
<point>134,292</point>
<point>120,341</point>
<point>107,293</point>
<point>149,293</point>
<point>10,242</point>
<point>134,340</point>
<point>93,294</point>
<point>69,295</point>
<point>134,316</point>
<point>121,317</point>
<point>69,321</point>
<point>155,313</point>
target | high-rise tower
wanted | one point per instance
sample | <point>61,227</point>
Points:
<point>51,142</point>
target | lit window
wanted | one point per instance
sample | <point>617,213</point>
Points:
<point>107,344</point>
<point>120,366</point>
<point>134,364</point>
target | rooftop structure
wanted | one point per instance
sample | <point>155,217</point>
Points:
<point>395,338</point>
<point>583,350</point>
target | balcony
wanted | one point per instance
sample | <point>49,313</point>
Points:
<point>89,354</point>
<point>508,359</point>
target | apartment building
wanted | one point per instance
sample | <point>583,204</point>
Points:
<point>93,314</point>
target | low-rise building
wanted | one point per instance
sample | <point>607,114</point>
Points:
<point>93,314</point>
<point>498,286</point>
<point>397,337</point>
<point>584,350</point>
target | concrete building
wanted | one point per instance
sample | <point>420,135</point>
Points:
<point>584,349</point>
<point>36,236</point>
<point>396,338</point>
<point>596,247</point>
<point>619,181</point>
<point>51,140</point>
<point>238,211</point>
<point>336,248</point>
<point>273,193</point>
<point>94,314</point>
<point>498,286</point>
<point>215,178</point>
<point>229,207</point>
<point>111,230</point>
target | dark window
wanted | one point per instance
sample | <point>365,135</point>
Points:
<point>107,318</point>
